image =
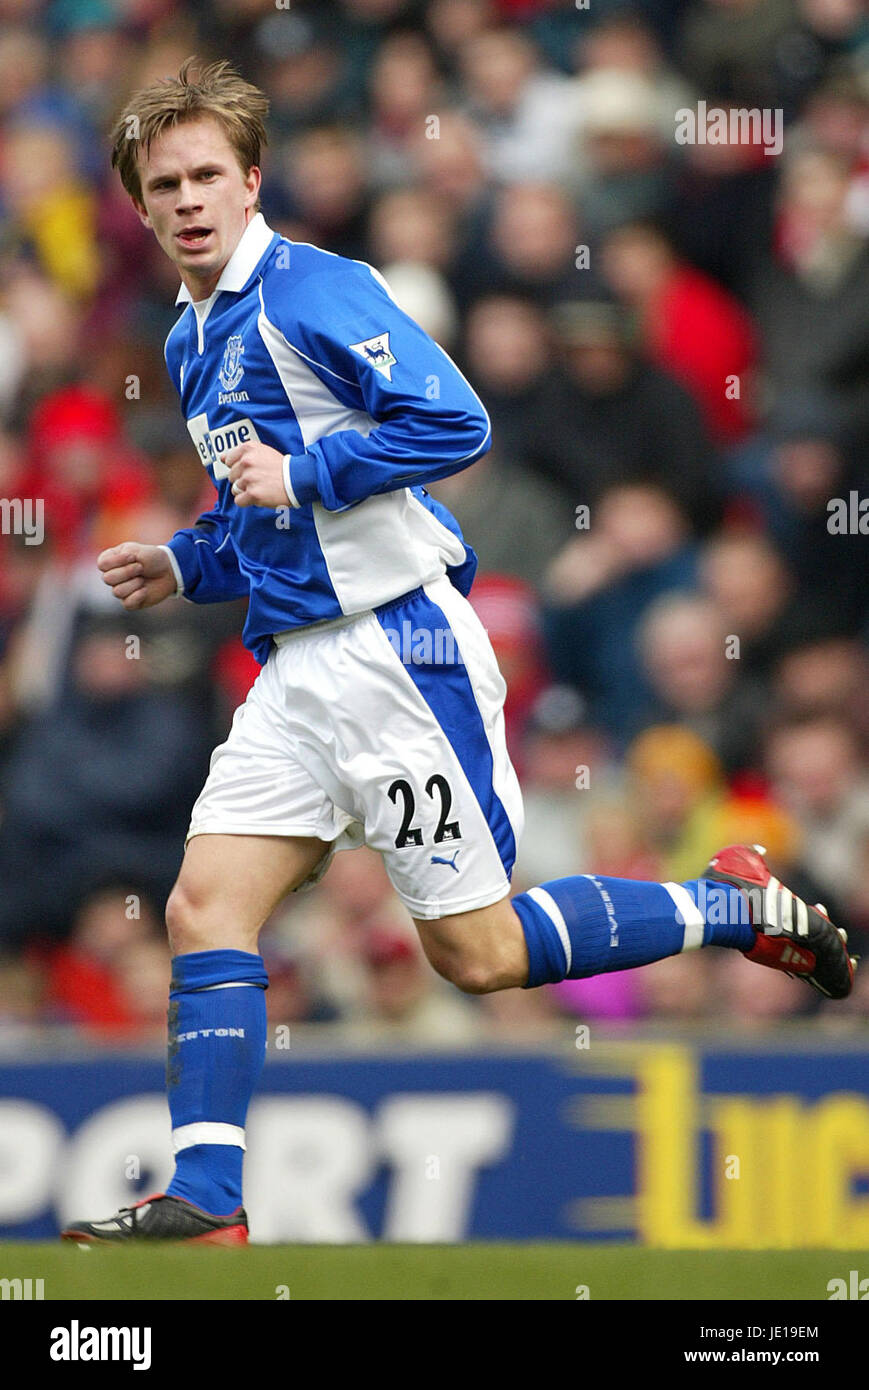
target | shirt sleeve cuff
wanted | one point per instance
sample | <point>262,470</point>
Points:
<point>300,479</point>
<point>288,481</point>
<point>176,569</point>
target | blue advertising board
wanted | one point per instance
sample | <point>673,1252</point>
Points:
<point>667,1143</point>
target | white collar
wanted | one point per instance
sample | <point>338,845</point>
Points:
<point>238,269</point>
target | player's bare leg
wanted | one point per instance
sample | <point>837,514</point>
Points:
<point>479,951</point>
<point>228,886</point>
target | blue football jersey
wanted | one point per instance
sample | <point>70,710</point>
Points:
<point>309,353</point>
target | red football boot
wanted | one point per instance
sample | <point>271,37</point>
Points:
<point>790,935</point>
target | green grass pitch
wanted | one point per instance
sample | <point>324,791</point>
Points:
<point>425,1272</point>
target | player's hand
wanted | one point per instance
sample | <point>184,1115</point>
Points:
<point>138,575</point>
<point>256,475</point>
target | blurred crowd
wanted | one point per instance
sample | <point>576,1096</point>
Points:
<point>672,340</point>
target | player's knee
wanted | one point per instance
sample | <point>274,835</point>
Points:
<point>185,920</point>
<point>475,977</point>
<point>466,972</point>
<point>479,952</point>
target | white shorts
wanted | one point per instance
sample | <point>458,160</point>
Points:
<point>384,729</point>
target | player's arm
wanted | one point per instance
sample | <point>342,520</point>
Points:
<point>425,420</point>
<point>201,558</point>
<point>204,560</point>
<point>198,562</point>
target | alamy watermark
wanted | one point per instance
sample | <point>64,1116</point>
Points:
<point>423,646</point>
<point>24,1289</point>
<point>77,1343</point>
<point>720,904</point>
<point>848,516</point>
<point>735,125</point>
<point>852,1288</point>
<point>23,516</point>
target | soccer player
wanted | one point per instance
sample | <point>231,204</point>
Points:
<point>320,411</point>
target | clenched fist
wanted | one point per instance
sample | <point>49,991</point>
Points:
<point>256,472</point>
<point>138,575</point>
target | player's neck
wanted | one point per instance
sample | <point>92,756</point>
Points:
<point>201,288</point>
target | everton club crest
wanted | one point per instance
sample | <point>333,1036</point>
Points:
<point>232,371</point>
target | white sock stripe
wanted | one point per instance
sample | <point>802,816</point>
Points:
<point>690,913</point>
<point>230,984</point>
<point>205,1133</point>
<point>547,903</point>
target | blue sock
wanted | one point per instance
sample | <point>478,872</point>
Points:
<point>587,925</point>
<point>217,1041</point>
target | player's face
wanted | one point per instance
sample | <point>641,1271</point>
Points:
<point>196,199</point>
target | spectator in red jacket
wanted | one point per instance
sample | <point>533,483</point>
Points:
<point>690,326</point>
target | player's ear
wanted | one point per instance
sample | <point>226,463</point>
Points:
<point>140,210</point>
<point>252,183</point>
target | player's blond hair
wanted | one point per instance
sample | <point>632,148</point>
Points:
<point>216,90</point>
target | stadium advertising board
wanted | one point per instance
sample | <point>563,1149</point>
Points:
<point>664,1143</point>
